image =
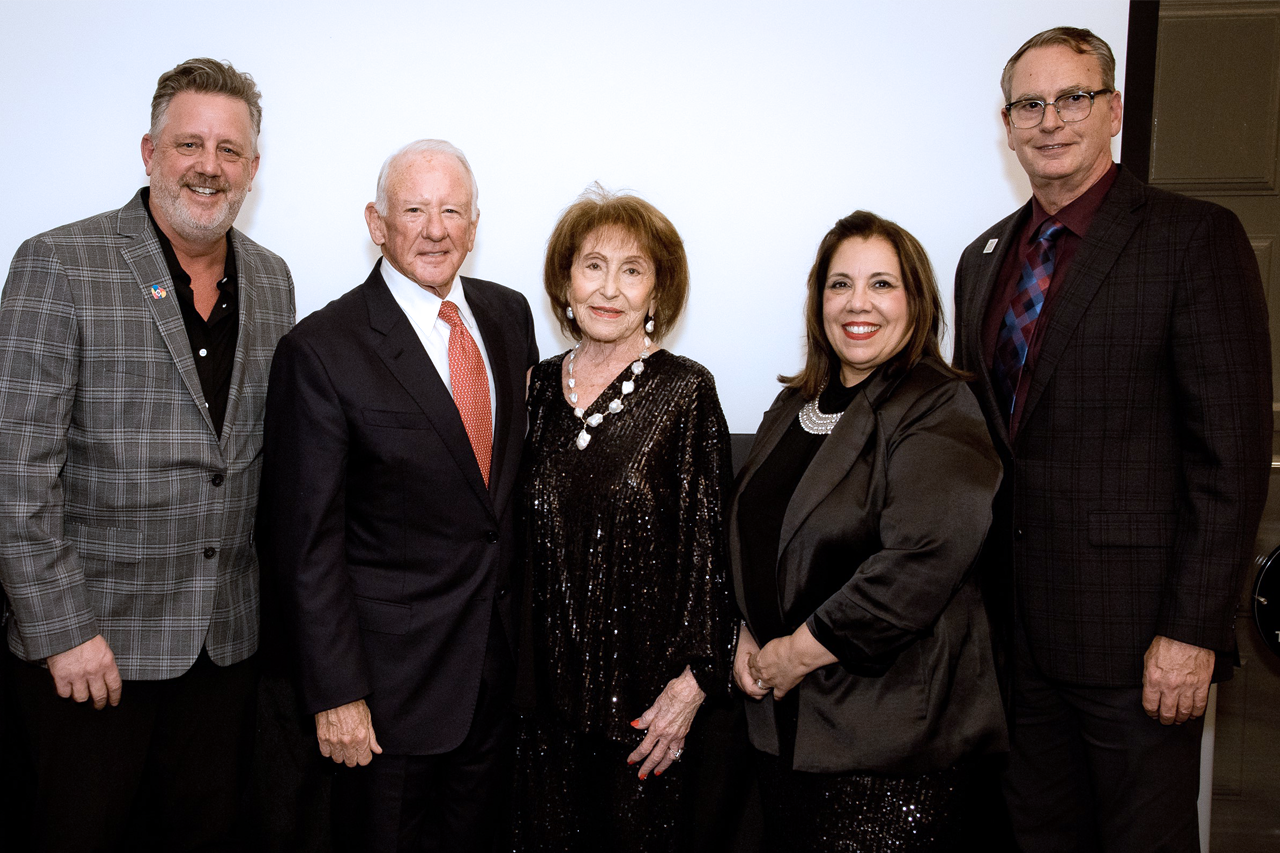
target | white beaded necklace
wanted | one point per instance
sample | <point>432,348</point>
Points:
<point>815,421</point>
<point>615,405</point>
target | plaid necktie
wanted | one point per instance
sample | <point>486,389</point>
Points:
<point>470,386</point>
<point>1020,317</point>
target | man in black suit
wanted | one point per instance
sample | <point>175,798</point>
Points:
<point>1118,334</point>
<point>395,419</point>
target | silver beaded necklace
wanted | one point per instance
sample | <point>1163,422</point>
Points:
<point>816,422</point>
<point>615,405</point>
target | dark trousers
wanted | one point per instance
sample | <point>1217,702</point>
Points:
<point>1090,771</point>
<point>454,802</point>
<point>288,805</point>
<point>163,770</point>
<point>17,778</point>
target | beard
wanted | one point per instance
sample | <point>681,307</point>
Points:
<point>194,225</point>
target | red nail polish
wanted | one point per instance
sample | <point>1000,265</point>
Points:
<point>635,724</point>
<point>644,776</point>
<point>657,773</point>
<point>630,761</point>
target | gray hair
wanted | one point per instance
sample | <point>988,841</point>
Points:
<point>1078,39</point>
<point>423,146</point>
<point>209,76</point>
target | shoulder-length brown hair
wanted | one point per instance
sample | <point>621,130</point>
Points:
<point>658,238</point>
<point>924,304</point>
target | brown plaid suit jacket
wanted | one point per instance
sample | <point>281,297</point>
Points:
<point>121,511</point>
<point>1133,490</point>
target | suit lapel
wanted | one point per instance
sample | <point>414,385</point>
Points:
<point>246,295</point>
<point>836,456</point>
<point>489,319</point>
<point>402,352</point>
<point>985,277</point>
<point>773,426</point>
<point>1112,227</point>
<point>145,257</point>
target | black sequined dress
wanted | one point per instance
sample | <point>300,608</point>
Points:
<point>627,563</point>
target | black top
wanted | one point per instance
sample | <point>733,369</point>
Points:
<point>626,543</point>
<point>763,506</point>
<point>213,341</point>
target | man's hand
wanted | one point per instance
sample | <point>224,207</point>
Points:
<point>1175,680</point>
<point>346,734</point>
<point>87,671</point>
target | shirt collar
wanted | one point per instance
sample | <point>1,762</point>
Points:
<point>1077,215</point>
<point>425,304</point>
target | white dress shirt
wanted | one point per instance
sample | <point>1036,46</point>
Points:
<point>422,307</point>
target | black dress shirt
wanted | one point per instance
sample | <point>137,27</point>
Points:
<point>213,341</point>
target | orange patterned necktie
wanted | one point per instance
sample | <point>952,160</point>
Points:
<point>470,387</point>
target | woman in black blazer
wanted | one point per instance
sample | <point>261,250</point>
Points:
<point>864,502</point>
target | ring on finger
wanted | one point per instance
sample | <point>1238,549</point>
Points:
<point>676,753</point>
<point>760,683</point>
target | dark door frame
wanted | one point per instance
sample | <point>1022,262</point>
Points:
<point>1139,86</point>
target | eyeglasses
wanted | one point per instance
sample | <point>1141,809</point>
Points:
<point>1073,106</point>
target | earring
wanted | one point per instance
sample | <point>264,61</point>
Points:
<point>648,324</point>
<point>568,311</point>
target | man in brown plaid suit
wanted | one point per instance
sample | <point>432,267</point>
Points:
<point>134,352</point>
<point>1118,335</point>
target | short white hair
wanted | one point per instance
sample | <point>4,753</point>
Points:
<point>423,146</point>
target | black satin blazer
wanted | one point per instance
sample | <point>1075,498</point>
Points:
<point>884,528</point>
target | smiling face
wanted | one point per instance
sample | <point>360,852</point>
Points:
<point>201,166</point>
<point>428,229</point>
<point>611,287</point>
<point>864,306</point>
<point>1062,159</point>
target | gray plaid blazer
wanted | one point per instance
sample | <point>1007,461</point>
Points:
<point>121,511</point>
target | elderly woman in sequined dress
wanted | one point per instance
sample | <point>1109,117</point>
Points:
<point>627,474</point>
<point>864,649</point>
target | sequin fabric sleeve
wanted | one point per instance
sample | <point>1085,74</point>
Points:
<point>626,544</point>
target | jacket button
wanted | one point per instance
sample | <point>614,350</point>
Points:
<point>1017,534</point>
<point>210,553</point>
<point>217,479</point>
<point>491,536</point>
<point>502,593</point>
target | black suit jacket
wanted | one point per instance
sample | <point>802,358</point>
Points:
<point>390,555</point>
<point>1133,490</point>
<point>878,541</point>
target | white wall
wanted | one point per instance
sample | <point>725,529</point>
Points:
<point>753,126</point>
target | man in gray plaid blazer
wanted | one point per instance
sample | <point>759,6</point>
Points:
<point>1118,336</point>
<point>134,352</point>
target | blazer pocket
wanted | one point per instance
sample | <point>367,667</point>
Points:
<point>1132,529</point>
<point>395,420</point>
<point>383,617</point>
<point>114,544</point>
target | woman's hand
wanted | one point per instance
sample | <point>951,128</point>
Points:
<point>747,649</point>
<point>784,662</point>
<point>667,722</point>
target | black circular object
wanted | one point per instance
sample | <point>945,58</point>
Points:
<point>1266,600</point>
